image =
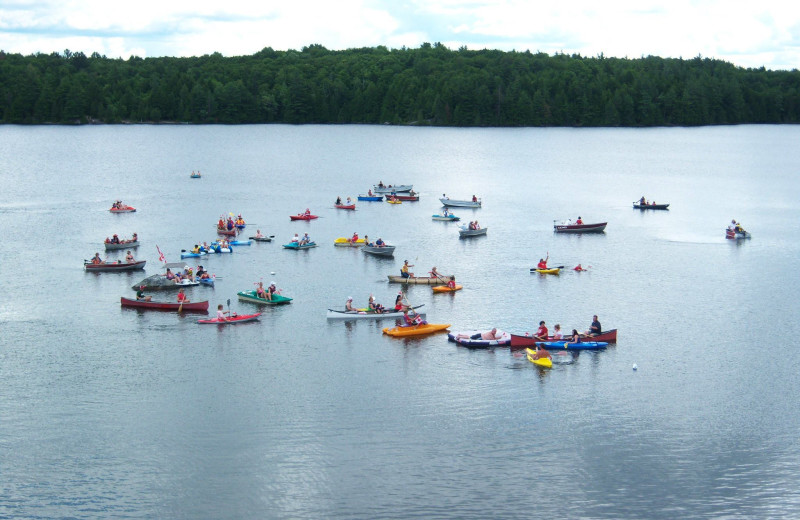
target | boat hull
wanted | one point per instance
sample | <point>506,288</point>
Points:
<point>346,242</point>
<point>636,205</point>
<point>445,288</point>
<point>563,345</point>
<point>364,315</point>
<point>344,206</point>
<point>404,188</point>
<point>227,232</point>
<point>554,270</point>
<point>370,198</point>
<point>232,320</point>
<point>737,236</point>
<point>122,245</point>
<point>114,267</point>
<point>468,233</point>
<point>452,203</point>
<point>519,341</point>
<point>250,296</point>
<point>580,228</point>
<point>419,280</point>
<point>442,218</point>
<point>164,306</point>
<point>302,217</point>
<point>407,198</point>
<point>416,330</point>
<point>295,246</point>
<point>158,282</point>
<point>379,251</point>
<point>543,362</point>
<point>124,209</point>
<point>260,239</point>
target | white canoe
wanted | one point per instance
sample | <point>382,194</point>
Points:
<point>363,315</point>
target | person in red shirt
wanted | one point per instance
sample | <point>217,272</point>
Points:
<point>182,296</point>
<point>542,332</point>
<point>543,262</point>
<point>579,221</point>
<point>452,283</point>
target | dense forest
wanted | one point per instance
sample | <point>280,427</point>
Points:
<point>431,85</point>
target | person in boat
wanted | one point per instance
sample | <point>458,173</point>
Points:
<point>543,262</point>
<point>349,201</point>
<point>107,240</point>
<point>295,239</point>
<point>375,306</point>
<point>595,328</point>
<point>579,222</point>
<point>230,224</point>
<point>140,295</point>
<point>434,273</point>
<point>260,291</point>
<point>474,198</point>
<point>642,201</point>
<point>575,337</point>
<point>446,213</point>
<point>221,314</point>
<point>366,241</point>
<point>452,283</point>
<point>404,272</point>
<point>445,197</point>
<point>541,332</point>
<point>96,259</point>
<point>412,321</point>
<point>398,303</point>
<point>380,184</point>
<point>272,290</point>
<point>182,298</point>
<point>349,305</point>
<point>129,257</point>
<point>135,237</point>
<point>188,274</point>
<point>305,240</point>
<point>541,353</point>
<point>115,239</point>
<point>338,201</point>
<point>489,335</point>
<point>307,212</point>
<point>201,273</point>
<point>169,275</point>
<point>557,332</point>
<point>380,242</point>
<point>258,234</point>
<point>477,226</point>
<point>355,237</point>
<point>220,223</point>
<point>369,193</point>
<point>579,268</point>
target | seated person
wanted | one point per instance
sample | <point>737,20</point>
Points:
<point>261,292</point>
<point>541,353</point>
<point>170,275</point>
<point>379,242</point>
<point>375,306</point>
<point>140,295</point>
<point>129,258</point>
<point>541,332</point>
<point>398,303</point>
<point>452,283</point>
<point>295,239</point>
<point>182,298</point>
<point>272,291</point>
<point>338,201</point>
<point>305,240</point>
<point>412,320</point>
<point>557,332</point>
<point>201,273</point>
<point>115,239</point>
<point>258,234</point>
<point>349,305</point>
<point>355,238</point>
<point>96,259</point>
<point>579,221</point>
<point>404,272</point>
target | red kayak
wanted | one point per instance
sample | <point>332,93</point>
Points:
<point>345,206</point>
<point>303,216</point>
<point>123,209</point>
<point>235,318</point>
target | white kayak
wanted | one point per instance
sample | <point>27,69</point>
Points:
<point>362,315</point>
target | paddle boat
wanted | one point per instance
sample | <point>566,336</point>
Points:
<point>345,206</point>
<point>420,280</point>
<point>446,288</point>
<point>385,250</point>
<point>231,320</point>
<point>250,296</point>
<point>639,205</point>
<point>362,314</point>
<point>455,203</point>
<point>195,175</point>
<point>446,218</point>
<point>465,232</point>
<point>566,345</point>
<point>520,341</point>
<point>544,362</point>
<point>303,216</point>
<point>401,188</point>
<point>119,207</point>
<point>109,267</point>
<point>568,227</point>
<point>474,338</point>
<point>370,198</point>
<point>416,330</point>
<point>165,306</point>
<point>215,248</point>
<point>296,245</point>
<point>347,242</point>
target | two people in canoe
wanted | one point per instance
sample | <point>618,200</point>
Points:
<point>404,272</point>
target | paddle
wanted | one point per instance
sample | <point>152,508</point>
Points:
<point>229,308</point>
<point>180,307</point>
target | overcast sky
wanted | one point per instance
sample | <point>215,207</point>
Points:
<point>749,34</point>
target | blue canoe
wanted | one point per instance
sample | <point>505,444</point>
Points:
<point>563,345</point>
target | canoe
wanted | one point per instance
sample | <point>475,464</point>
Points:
<point>344,206</point>
<point>453,203</point>
<point>346,242</point>
<point>544,362</point>
<point>206,281</point>
<point>416,330</point>
<point>158,282</point>
<point>407,198</point>
<point>240,242</point>
<point>580,228</point>
<point>379,251</point>
<point>390,201</point>
<point>550,270</point>
<point>402,188</point>
<point>230,320</point>
<point>448,218</point>
<point>732,235</point>
<point>114,266</point>
<point>478,342</point>
<point>129,244</point>
<point>563,345</point>
<point>261,239</point>
<point>420,280</point>
<point>164,306</point>
<point>123,209</point>
<point>467,233</point>
<point>445,288</point>
<point>250,296</point>
<point>296,245</point>
<point>371,198</point>
<point>636,205</point>
<point>519,341</point>
<point>227,232</point>
<point>302,217</point>
<point>361,315</point>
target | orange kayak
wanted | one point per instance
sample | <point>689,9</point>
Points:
<point>416,330</point>
<point>444,288</point>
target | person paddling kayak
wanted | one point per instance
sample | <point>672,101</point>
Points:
<point>543,262</point>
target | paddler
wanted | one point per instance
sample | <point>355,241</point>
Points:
<point>355,238</point>
<point>182,296</point>
<point>140,295</point>
<point>452,283</point>
<point>541,332</point>
<point>221,314</point>
<point>543,262</point>
<point>349,305</point>
<point>404,272</point>
<point>97,260</point>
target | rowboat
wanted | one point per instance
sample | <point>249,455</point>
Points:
<point>420,280</point>
<point>240,242</point>
<point>296,245</point>
<point>580,228</point>
<point>344,206</point>
<point>565,345</point>
<point>370,198</point>
<point>519,341</point>
<point>403,188</point>
<point>123,209</point>
<point>544,362</point>
<point>550,270</point>
<point>261,239</point>
<point>446,218</point>
<point>230,320</point>
<point>416,330</point>
<point>379,251</point>
<point>250,296</point>
<point>473,339</point>
<point>407,198</point>
<point>736,235</point>
<point>637,205</point>
<point>227,232</point>
<point>347,242</point>
<point>466,233</point>
<point>453,203</point>
<point>114,266</point>
<point>446,288</point>
<point>125,244</point>
<point>302,216</point>
<point>158,282</point>
<point>165,306</point>
<point>361,315</point>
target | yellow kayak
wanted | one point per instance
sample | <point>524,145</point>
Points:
<point>416,330</point>
<point>445,288</point>
<point>347,242</point>
<point>394,201</point>
<point>542,362</point>
<point>553,270</point>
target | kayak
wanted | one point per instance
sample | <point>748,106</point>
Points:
<point>235,318</point>
<point>563,345</point>
<point>544,362</point>
<point>123,209</point>
<point>446,218</point>
<point>637,205</point>
<point>206,281</point>
<point>240,242</point>
<point>347,242</point>
<point>261,239</point>
<point>370,198</point>
<point>468,338</point>
<point>296,245</point>
<point>164,306</point>
<point>189,254</point>
<point>445,288</point>
<point>416,330</point>
<point>344,206</point>
<point>550,270</point>
<point>394,201</point>
<point>355,315</point>
<point>519,341</point>
<point>250,296</point>
<point>302,216</point>
<point>420,280</point>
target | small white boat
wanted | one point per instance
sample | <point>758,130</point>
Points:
<point>453,203</point>
<point>400,188</point>
<point>464,232</point>
<point>379,251</point>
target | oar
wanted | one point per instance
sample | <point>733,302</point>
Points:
<point>229,308</point>
<point>180,307</point>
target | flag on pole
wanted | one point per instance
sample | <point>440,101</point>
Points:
<point>160,255</point>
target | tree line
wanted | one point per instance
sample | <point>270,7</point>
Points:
<point>429,85</point>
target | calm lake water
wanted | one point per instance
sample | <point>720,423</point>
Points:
<point>113,413</point>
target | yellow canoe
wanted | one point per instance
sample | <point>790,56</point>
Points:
<point>445,288</point>
<point>416,330</point>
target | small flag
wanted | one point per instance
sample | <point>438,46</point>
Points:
<point>160,255</point>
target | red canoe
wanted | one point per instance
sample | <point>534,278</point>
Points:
<point>303,217</point>
<point>227,232</point>
<point>407,198</point>
<point>165,306</point>
<point>107,267</point>
<point>517,341</point>
<point>344,206</point>
<point>236,318</point>
<point>123,209</point>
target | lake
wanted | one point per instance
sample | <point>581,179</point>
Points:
<point>107,412</point>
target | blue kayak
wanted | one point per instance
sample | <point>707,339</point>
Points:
<point>206,281</point>
<point>189,254</point>
<point>240,242</point>
<point>370,198</point>
<point>563,345</point>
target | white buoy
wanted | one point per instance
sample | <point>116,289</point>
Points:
<point>634,366</point>
<point>273,272</point>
